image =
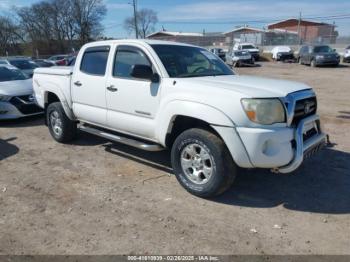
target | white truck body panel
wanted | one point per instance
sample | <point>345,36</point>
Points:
<point>146,110</point>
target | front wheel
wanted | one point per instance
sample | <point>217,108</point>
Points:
<point>202,163</point>
<point>61,128</point>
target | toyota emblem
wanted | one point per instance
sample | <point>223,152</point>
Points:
<point>307,108</point>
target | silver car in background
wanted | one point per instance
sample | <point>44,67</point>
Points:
<point>16,94</point>
<point>239,58</point>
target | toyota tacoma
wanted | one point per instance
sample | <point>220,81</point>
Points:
<point>155,95</point>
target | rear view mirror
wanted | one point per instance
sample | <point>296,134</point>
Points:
<point>144,72</point>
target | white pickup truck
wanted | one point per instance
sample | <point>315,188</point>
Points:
<point>155,95</point>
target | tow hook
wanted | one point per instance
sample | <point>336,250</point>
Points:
<point>275,170</point>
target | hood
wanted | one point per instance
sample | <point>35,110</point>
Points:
<point>27,71</point>
<point>16,88</point>
<point>250,86</point>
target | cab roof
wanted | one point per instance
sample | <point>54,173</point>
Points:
<point>140,41</point>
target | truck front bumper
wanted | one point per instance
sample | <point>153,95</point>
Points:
<point>282,149</point>
<point>305,148</point>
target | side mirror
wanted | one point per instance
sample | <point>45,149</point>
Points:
<point>144,72</point>
<point>335,50</point>
<point>141,71</point>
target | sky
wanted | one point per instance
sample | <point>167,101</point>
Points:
<point>216,16</point>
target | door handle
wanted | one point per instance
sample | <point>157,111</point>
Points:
<point>77,83</point>
<point>112,88</point>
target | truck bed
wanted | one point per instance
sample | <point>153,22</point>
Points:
<point>55,70</point>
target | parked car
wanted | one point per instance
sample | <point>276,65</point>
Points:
<point>282,53</point>
<point>219,52</point>
<point>346,58</point>
<point>60,60</point>
<point>16,94</point>
<point>318,55</point>
<point>26,65</point>
<point>44,63</point>
<point>4,62</point>
<point>251,48</point>
<point>71,61</point>
<point>154,95</point>
<point>239,58</point>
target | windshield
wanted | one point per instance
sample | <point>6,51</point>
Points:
<point>24,64</point>
<point>188,61</point>
<point>323,49</point>
<point>248,47</point>
<point>11,74</point>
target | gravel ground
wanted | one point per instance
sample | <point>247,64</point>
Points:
<point>95,197</point>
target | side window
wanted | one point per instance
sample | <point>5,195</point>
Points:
<point>94,60</point>
<point>125,58</point>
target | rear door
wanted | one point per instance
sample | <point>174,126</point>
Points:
<point>132,103</point>
<point>89,85</point>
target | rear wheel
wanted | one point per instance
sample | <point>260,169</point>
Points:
<point>202,163</point>
<point>61,128</point>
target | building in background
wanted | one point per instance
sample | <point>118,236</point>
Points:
<point>200,39</point>
<point>245,34</point>
<point>308,31</point>
<point>286,32</point>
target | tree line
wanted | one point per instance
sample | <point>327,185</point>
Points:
<point>61,26</point>
<point>51,26</point>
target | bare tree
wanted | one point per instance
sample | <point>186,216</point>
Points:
<point>10,35</point>
<point>88,15</point>
<point>146,21</point>
<point>54,25</point>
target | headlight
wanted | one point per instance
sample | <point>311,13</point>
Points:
<point>264,111</point>
<point>4,98</point>
<point>319,57</point>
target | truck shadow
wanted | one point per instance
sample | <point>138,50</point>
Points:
<point>7,149</point>
<point>321,185</point>
<point>157,160</point>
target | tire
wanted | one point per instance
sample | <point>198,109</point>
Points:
<point>61,128</point>
<point>313,63</point>
<point>213,155</point>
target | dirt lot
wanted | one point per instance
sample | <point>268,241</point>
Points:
<point>94,197</point>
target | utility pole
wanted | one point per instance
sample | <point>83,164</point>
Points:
<point>299,33</point>
<point>134,4</point>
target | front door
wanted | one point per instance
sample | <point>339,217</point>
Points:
<point>132,103</point>
<point>89,85</point>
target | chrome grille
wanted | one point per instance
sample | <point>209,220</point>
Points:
<point>304,108</point>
